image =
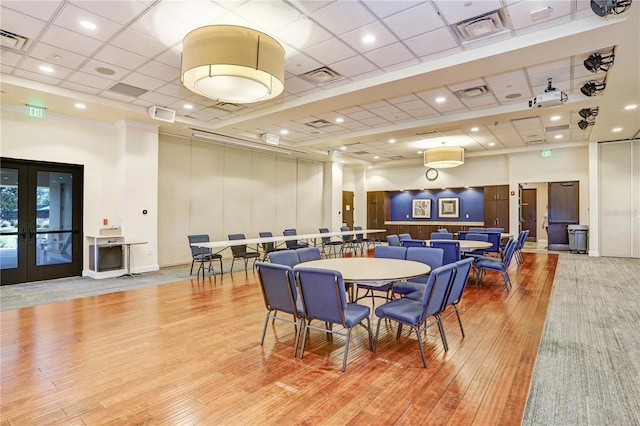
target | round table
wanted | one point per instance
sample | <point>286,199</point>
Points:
<point>371,269</point>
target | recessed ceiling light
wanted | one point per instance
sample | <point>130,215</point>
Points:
<point>492,144</point>
<point>80,106</point>
<point>284,132</point>
<point>555,118</point>
<point>369,38</point>
<point>419,152</point>
<point>632,106</point>
<point>440,99</point>
<point>88,25</point>
<point>344,148</point>
<point>392,141</point>
<point>339,120</point>
<point>370,167</point>
<point>558,136</point>
<point>188,106</point>
<point>376,157</point>
<point>475,129</point>
<point>45,68</point>
<point>616,129</point>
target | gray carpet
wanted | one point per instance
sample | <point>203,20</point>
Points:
<point>588,366</point>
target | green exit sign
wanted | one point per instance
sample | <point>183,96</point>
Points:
<point>545,153</point>
<point>36,111</point>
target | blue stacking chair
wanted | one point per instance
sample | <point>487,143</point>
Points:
<point>388,252</point>
<point>280,294</point>
<point>307,254</point>
<point>451,250</point>
<point>393,240</point>
<point>413,243</point>
<point>328,243</point>
<point>476,237</point>
<point>285,257</point>
<point>441,236</point>
<point>324,299</point>
<point>293,244</point>
<point>463,267</point>
<point>415,313</point>
<point>428,255</point>
<point>404,236</point>
<point>242,251</point>
<point>495,264</point>
<point>522,238</point>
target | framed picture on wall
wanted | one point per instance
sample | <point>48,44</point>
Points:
<point>449,208</point>
<point>421,208</point>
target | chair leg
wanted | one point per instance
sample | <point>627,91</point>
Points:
<point>264,330</point>
<point>192,262</point>
<point>346,349</point>
<point>459,320</point>
<point>424,360</point>
<point>443,335</point>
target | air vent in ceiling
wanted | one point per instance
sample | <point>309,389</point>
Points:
<point>13,41</point>
<point>556,128</point>
<point>126,89</point>
<point>432,132</point>
<point>481,26</point>
<point>226,106</point>
<point>472,92</point>
<point>361,153</point>
<point>318,124</point>
<point>322,75</point>
<point>396,157</point>
<point>535,142</point>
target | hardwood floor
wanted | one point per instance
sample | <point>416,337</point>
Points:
<point>188,353</point>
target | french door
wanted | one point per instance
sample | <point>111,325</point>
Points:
<point>41,221</point>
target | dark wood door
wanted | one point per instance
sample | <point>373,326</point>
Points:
<point>347,208</point>
<point>564,210</point>
<point>42,210</point>
<point>375,210</point>
<point>529,213</point>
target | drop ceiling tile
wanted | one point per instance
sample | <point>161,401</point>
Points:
<point>195,14</point>
<point>342,17</point>
<point>520,13</point>
<point>383,37</point>
<point>177,90</point>
<point>120,57</point>
<point>33,65</point>
<point>70,19</point>
<point>412,22</point>
<point>117,11</point>
<point>298,63</point>
<point>375,121</point>
<point>279,13</point>
<point>81,87</point>
<point>92,80</point>
<point>171,57</point>
<point>143,81</point>
<point>161,27</point>
<point>55,55</point>
<point>139,43</point>
<point>160,71</point>
<point>117,96</point>
<point>302,33</point>
<point>297,85</point>
<point>69,40</point>
<point>432,42</point>
<point>353,67</point>
<point>35,76</point>
<point>330,51</point>
<point>91,66</point>
<point>20,24</point>
<point>390,55</point>
<point>384,9</point>
<point>9,58</point>
<point>42,10</point>
<point>157,98</point>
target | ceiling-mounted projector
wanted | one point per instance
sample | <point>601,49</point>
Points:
<point>549,98</point>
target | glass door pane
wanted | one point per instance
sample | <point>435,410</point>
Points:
<point>9,218</point>
<point>54,200</point>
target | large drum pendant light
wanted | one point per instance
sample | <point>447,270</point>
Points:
<point>232,64</point>
<point>442,158</point>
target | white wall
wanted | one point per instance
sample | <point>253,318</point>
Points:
<point>206,188</point>
<point>120,165</point>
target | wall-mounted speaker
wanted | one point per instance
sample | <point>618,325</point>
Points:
<point>270,138</point>
<point>162,114</point>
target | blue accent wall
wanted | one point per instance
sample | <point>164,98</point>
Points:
<point>471,203</point>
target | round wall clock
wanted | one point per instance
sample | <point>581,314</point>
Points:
<point>432,174</point>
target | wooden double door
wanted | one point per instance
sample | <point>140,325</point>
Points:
<point>564,210</point>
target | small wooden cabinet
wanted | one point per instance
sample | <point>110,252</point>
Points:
<point>376,209</point>
<point>496,207</point>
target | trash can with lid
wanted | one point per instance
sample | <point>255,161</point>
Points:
<point>578,238</point>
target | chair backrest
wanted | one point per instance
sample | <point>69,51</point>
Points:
<point>360,236</point>
<point>198,238</point>
<point>494,238</point>
<point>284,257</point>
<point>390,252</point>
<point>477,229</point>
<point>495,230</point>
<point>462,235</point>
<point>346,238</point>
<point>393,240</point>
<point>460,281</point>
<point>428,255</point>
<point>522,238</point>
<point>323,294</point>
<point>267,247</point>
<point>307,254</point>
<point>291,244</point>
<point>438,288</point>
<point>325,240</point>
<point>441,236</point>
<point>509,250</point>
<point>404,236</point>
<point>442,230</point>
<point>278,286</point>
<point>238,249</point>
<point>413,243</point>
<point>451,250</point>
<point>472,236</point>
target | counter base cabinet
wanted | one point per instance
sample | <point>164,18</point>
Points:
<point>496,207</point>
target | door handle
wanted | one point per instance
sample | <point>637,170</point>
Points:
<point>23,234</point>
<point>32,233</point>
